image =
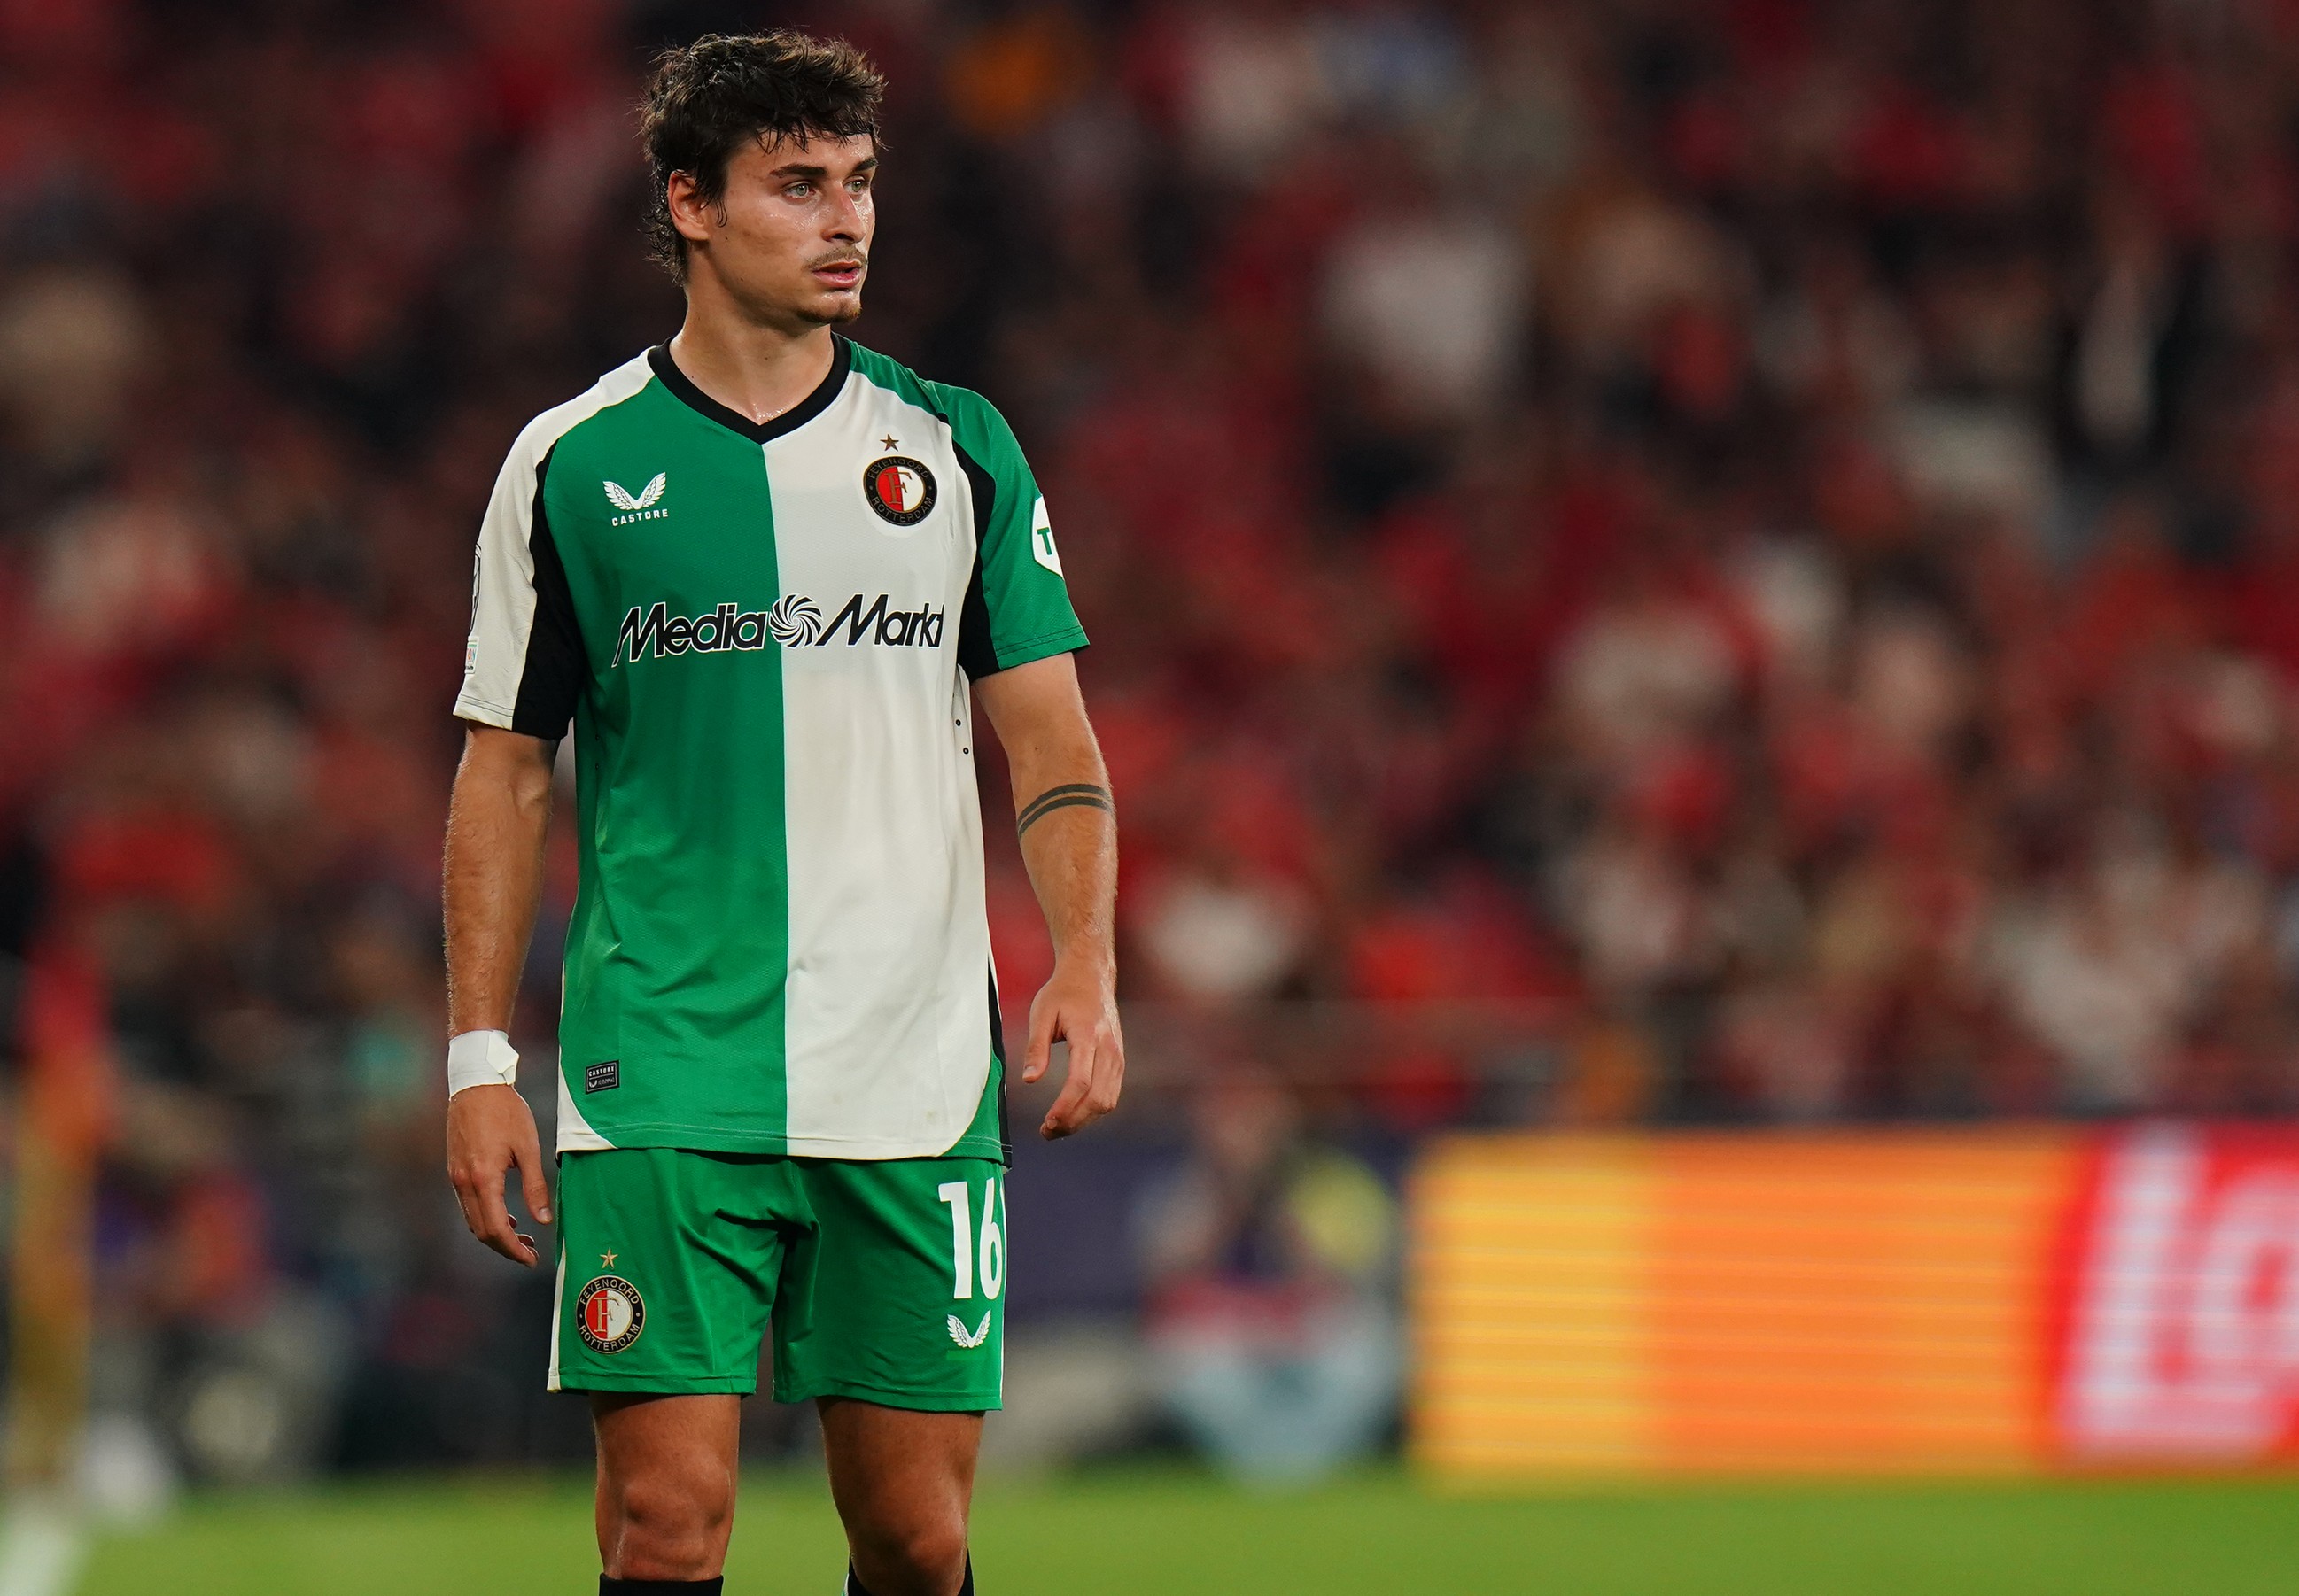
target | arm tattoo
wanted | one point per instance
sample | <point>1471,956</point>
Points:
<point>1063,798</point>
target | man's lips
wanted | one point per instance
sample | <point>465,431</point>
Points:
<point>841,274</point>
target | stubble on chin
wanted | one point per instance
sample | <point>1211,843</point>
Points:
<point>842,307</point>
<point>819,309</point>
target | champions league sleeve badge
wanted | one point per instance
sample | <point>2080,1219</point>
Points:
<point>610,1314</point>
<point>899,488</point>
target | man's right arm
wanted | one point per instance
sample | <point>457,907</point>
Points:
<point>496,823</point>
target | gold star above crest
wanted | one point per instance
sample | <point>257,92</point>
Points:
<point>890,442</point>
<point>607,1260</point>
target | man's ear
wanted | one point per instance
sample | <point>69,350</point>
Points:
<point>692,215</point>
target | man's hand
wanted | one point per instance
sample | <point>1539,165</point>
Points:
<point>1079,1005</point>
<point>489,1130</point>
<point>1069,830</point>
<point>496,822</point>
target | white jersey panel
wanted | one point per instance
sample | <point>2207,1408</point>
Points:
<point>502,569</point>
<point>887,1006</point>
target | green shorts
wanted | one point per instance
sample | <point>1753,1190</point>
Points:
<point>885,1281</point>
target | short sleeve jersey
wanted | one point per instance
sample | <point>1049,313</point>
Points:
<point>763,636</point>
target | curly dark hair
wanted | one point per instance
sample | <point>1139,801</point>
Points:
<point>704,101</point>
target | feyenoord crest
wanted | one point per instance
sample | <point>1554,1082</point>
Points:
<point>610,1314</point>
<point>899,488</point>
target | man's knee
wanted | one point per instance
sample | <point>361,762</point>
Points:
<point>927,1553</point>
<point>669,1525</point>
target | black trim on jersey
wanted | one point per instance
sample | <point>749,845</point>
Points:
<point>682,386</point>
<point>551,678</point>
<point>997,1052</point>
<point>977,655</point>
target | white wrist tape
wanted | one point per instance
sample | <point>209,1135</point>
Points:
<point>481,1058</point>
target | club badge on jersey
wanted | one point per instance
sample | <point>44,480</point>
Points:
<point>901,490</point>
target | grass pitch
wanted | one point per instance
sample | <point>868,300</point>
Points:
<point>1158,1534</point>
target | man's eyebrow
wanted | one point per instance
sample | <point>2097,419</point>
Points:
<point>797,169</point>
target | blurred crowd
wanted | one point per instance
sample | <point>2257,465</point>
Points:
<point>1763,529</point>
<point>1753,544</point>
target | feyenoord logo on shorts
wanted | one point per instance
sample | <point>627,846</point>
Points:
<point>899,488</point>
<point>610,1314</point>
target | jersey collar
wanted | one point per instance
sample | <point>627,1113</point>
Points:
<point>682,386</point>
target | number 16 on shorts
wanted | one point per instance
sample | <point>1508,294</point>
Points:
<point>972,1259</point>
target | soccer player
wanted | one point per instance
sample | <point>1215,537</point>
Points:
<point>768,574</point>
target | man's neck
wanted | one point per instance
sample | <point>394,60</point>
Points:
<point>756,371</point>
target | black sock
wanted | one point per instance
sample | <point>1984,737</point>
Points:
<point>661,1587</point>
<point>854,1586</point>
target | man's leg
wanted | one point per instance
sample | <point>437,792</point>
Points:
<point>669,1264</point>
<point>903,1349</point>
<point>666,1477</point>
<point>903,1483</point>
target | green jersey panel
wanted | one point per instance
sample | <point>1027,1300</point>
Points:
<point>1021,597</point>
<point>763,635</point>
<point>680,805</point>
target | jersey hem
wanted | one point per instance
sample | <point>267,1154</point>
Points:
<point>688,1138</point>
<point>1069,640</point>
<point>483,712</point>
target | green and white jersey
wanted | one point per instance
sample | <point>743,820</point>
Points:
<point>764,635</point>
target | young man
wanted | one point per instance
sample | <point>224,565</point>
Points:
<point>759,569</point>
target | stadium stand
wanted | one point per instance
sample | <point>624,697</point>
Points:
<point>1648,564</point>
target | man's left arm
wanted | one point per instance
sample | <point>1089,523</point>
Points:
<point>1069,830</point>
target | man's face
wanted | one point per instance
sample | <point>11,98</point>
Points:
<point>789,239</point>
